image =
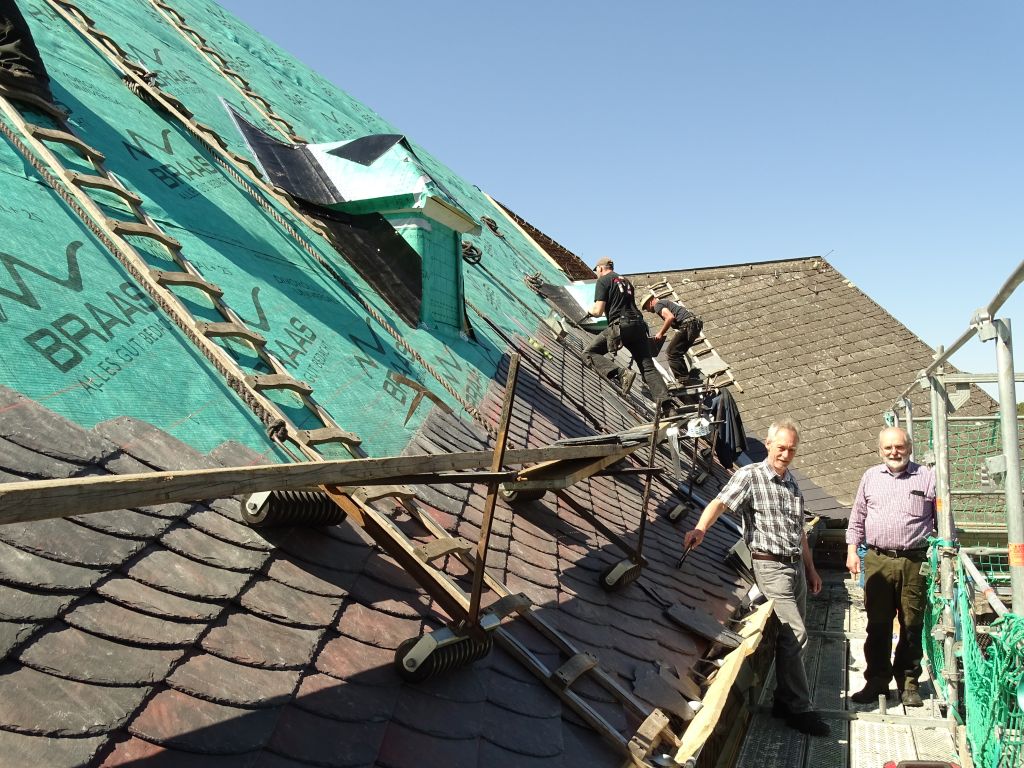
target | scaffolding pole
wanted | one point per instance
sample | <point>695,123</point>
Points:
<point>947,530</point>
<point>1011,455</point>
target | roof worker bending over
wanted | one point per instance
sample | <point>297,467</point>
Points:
<point>687,328</point>
<point>768,500</point>
<point>894,513</point>
<point>614,298</point>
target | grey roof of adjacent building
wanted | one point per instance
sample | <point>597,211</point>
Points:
<point>803,341</point>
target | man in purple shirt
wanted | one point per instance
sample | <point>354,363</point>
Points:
<point>893,514</point>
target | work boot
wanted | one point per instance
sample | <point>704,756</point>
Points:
<point>910,695</point>
<point>870,692</point>
<point>809,722</point>
<point>626,381</point>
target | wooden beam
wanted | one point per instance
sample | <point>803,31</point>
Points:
<point>45,499</point>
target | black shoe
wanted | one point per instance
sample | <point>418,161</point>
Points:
<point>809,722</point>
<point>911,697</point>
<point>869,693</point>
<point>779,709</point>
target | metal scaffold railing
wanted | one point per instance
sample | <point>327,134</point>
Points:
<point>974,642</point>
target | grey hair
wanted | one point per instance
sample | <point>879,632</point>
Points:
<point>906,435</point>
<point>783,424</point>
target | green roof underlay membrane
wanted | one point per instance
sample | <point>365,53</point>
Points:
<point>84,339</point>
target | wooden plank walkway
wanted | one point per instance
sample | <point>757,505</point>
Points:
<point>863,736</point>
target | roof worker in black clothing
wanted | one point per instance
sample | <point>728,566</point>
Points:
<point>687,327</point>
<point>614,298</point>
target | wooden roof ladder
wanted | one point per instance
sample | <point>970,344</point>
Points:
<point>702,354</point>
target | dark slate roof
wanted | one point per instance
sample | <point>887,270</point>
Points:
<point>805,342</point>
<point>176,633</point>
<point>571,264</point>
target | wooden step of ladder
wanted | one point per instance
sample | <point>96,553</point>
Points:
<point>702,354</point>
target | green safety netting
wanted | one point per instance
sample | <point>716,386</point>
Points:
<point>977,500</point>
<point>85,341</point>
<point>993,664</point>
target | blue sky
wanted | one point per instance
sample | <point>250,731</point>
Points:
<point>884,136</point>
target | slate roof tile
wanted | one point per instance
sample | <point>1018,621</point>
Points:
<point>639,648</point>
<point>29,605</point>
<point>215,524</point>
<point>585,750</point>
<point>386,571</point>
<point>327,742</point>
<point>589,635</point>
<point>422,712</point>
<point>151,445</point>
<point>537,576</point>
<point>27,704</point>
<point>25,749</point>
<point>13,634</point>
<point>179,575</point>
<point>193,543</point>
<point>68,652</point>
<point>402,604</point>
<point>20,568</point>
<point>248,639</point>
<point>349,702</point>
<point>32,465</point>
<point>145,599</point>
<point>39,429</point>
<point>406,748</point>
<point>133,752</point>
<point>232,453</point>
<point>175,719</point>
<point>210,677</point>
<point>127,523</point>
<point>107,619</point>
<point>538,595</point>
<point>522,734</point>
<point>278,602</point>
<point>345,658</point>
<point>495,756</point>
<point>508,667</point>
<point>311,546</point>
<point>521,697</point>
<point>67,542</point>
<point>533,556</point>
<point>374,627</point>
<point>310,578</point>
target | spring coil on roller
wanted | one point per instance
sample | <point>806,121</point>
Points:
<point>445,658</point>
<point>280,508</point>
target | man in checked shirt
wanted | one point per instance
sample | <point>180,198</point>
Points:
<point>894,513</point>
<point>768,500</point>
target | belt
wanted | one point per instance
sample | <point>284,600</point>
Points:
<point>898,552</point>
<point>775,558</point>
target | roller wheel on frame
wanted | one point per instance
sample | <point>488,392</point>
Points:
<point>612,582</point>
<point>460,653</point>
<point>514,496</point>
<point>270,509</point>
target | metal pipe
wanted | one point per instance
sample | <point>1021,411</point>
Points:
<point>1006,291</point>
<point>910,423</point>
<point>989,311</point>
<point>1011,455</point>
<point>984,550</point>
<point>979,579</point>
<point>944,515</point>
